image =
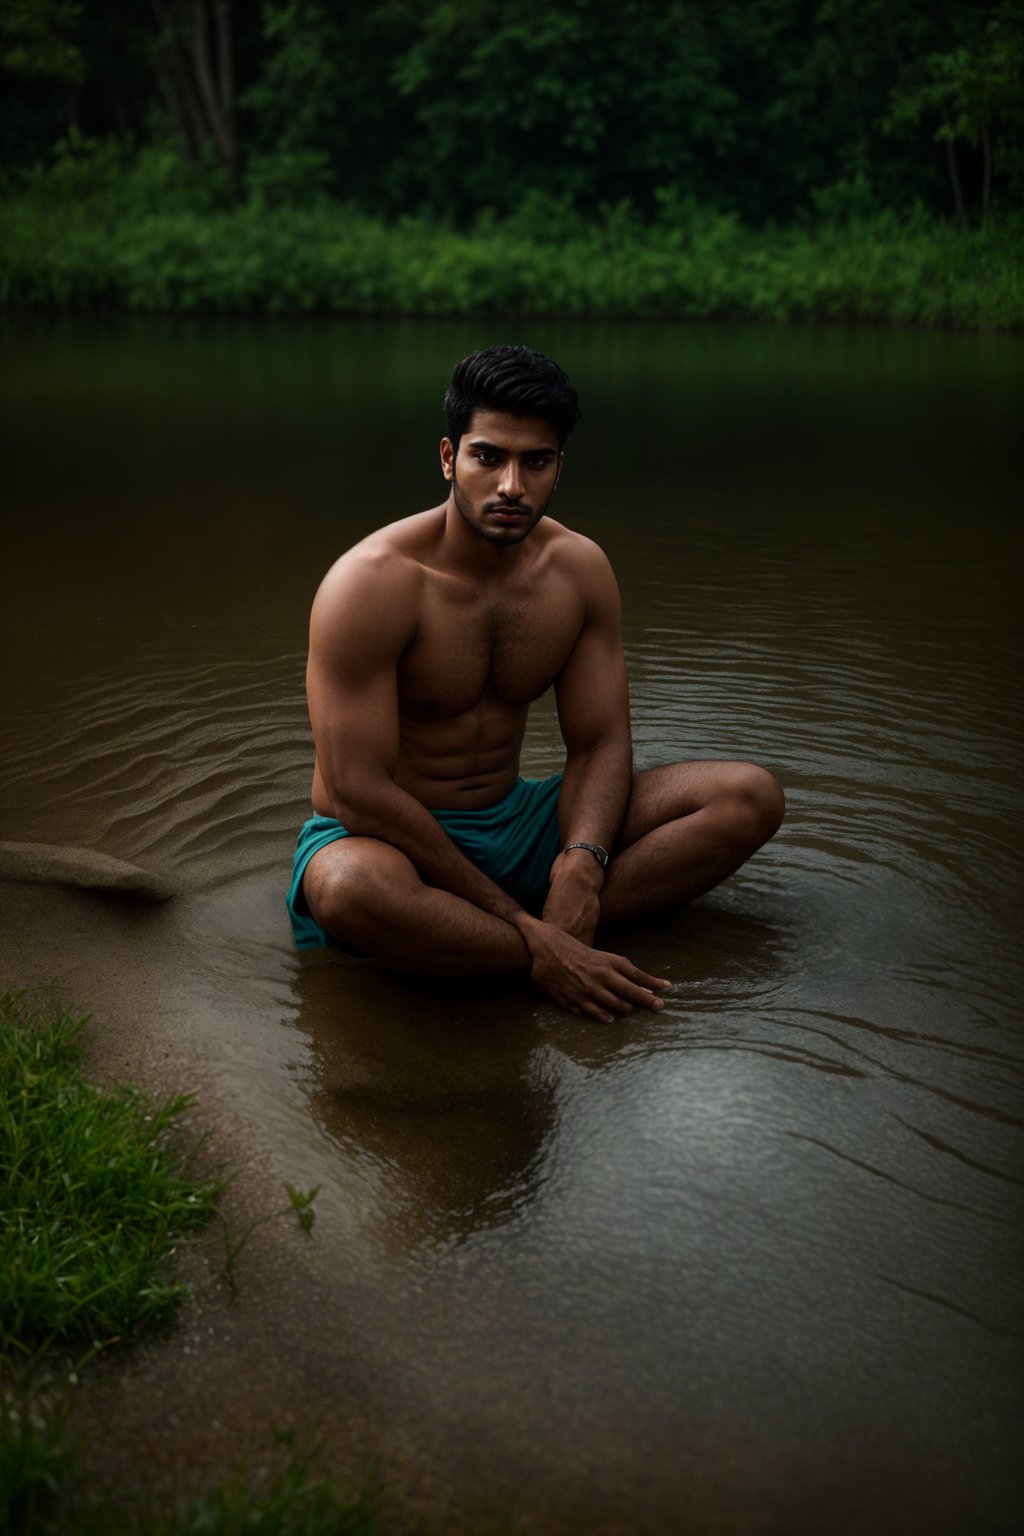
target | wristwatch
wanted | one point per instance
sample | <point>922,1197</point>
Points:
<point>600,854</point>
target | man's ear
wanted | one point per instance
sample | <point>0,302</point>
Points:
<point>447,458</point>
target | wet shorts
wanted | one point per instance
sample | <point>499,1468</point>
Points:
<point>514,842</point>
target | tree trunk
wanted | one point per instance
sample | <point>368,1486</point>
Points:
<point>201,99</point>
<point>986,181</point>
<point>216,110</point>
<point>954,174</point>
<point>226,63</point>
<point>178,86</point>
<point>190,142</point>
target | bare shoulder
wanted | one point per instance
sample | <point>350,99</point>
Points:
<point>374,588</point>
<point>584,561</point>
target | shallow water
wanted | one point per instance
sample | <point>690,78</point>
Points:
<point>754,1264</point>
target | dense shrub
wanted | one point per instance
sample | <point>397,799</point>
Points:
<point>146,232</point>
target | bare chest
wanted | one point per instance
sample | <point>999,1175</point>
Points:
<point>470,647</point>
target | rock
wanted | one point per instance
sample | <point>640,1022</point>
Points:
<point>50,864</point>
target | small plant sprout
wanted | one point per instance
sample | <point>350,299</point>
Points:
<point>299,1201</point>
<point>302,1204</point>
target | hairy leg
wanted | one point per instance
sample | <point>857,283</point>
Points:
<point>364,892</point>
<point>687,826</point>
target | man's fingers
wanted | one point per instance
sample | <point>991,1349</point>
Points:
<point>653,983</point>
<point>597,1011</point>
<point>615,1002</point>
<point>640,993</point>
<point>601,985</point>
<point>639,978</point>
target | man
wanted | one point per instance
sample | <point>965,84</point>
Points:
<point>428,643</point>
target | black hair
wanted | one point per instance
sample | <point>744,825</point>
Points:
<point>516,380</point>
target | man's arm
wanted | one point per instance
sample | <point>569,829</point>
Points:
<point>593,711</point>
<point>363,618</point>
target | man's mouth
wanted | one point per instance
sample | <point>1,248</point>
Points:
<point>507,514</point>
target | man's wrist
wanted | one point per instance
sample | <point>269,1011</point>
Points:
<point>579,867</point>
<point>598,853</point>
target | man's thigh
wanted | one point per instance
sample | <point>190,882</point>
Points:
<point>661,795</point>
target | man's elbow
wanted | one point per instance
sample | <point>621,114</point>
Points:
<point>360,807</point>
<point>612,743</point>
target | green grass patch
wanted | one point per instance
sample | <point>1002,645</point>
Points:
<point>43,1493</point>
<point>300,1498</point>
<point>94,1193</point>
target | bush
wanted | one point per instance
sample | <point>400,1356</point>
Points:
<point>98,226</point>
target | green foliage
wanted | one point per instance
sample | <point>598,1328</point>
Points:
<point>39,40</point>
<point>972,91</point>
<point>839,262</point>
<point>289,178</point>
<point>453,108</point>
<point>118,181</point>
<point>94,1194</point>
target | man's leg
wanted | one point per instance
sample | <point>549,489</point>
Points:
<point>687,826</point>
<point>364,892</point>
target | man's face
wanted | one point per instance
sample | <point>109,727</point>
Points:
<point>505,472</point>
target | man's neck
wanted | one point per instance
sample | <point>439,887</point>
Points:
<point>468,553</point>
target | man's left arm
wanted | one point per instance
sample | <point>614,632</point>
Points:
<point>592,693</point>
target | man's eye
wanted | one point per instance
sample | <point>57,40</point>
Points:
<point>537,463</point>
<point>487,458</point>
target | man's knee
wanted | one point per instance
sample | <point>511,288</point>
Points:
<point>756,802</point>
<point>350,886</point>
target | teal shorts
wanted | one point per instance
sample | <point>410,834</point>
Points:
<point>514,843</point>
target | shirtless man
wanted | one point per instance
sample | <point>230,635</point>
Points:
<point>428,643</point>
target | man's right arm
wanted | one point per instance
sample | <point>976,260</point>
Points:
<point>363,619</point>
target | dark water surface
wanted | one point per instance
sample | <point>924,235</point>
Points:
<point>754,1264</point>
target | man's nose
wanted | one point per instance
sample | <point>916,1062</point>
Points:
<point>511,483</point>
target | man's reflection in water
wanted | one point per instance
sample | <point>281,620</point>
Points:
<point>436,1093</point>
<point>444,1096</point>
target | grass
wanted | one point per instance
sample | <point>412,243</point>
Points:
<point>300,1499</point>
<point>95,1192</point>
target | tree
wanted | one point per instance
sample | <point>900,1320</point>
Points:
<point>971,91</point>
<point>40,49</point>
<point>196,68</point>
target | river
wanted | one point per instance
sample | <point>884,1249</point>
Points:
<point>753,1264</point>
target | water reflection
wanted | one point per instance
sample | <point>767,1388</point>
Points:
<point>433,1093</point>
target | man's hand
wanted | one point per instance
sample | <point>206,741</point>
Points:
<point>584,980</point>
<point>573,902</point>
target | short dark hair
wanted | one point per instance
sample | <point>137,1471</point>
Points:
<point>516,380</point>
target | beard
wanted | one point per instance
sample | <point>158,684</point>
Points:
<point>496,534</point>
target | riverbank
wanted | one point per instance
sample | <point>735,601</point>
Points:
<point>101,1196</point>
<point>92,252</point>
<point>322,1349</point>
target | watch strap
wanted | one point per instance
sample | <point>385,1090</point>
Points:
<point>600,854</point>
